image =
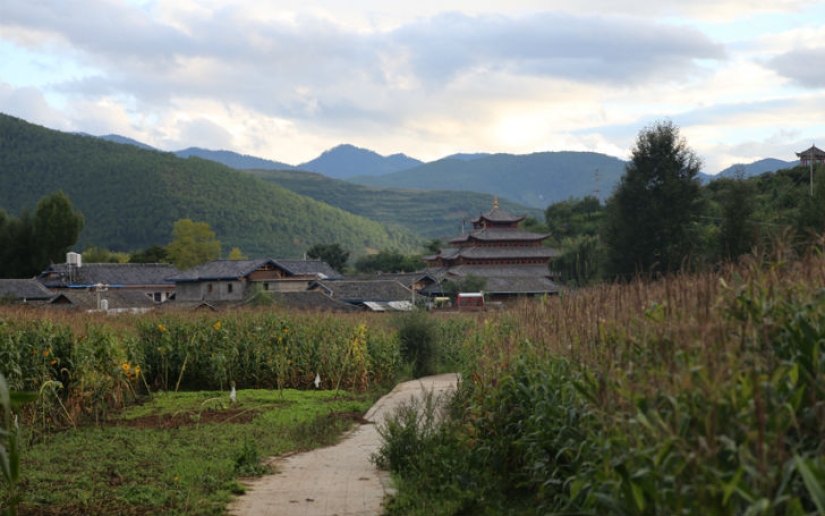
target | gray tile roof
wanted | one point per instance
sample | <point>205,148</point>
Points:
<point>309,267</point>
<point>117,299</point>
<point>407,278</point>
<point>235,269</point>
<point>502,271</point>
<point>520,286</point>
<point>499,235</point>
<point>113,274</point>
<point>353,291</point>
<point>24,289</point>
<point>498,215</point>
<point>499,253</point>
<point>221,270</point>
<point>313,301</point>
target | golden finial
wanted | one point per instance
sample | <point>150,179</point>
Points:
<point>495,202</point>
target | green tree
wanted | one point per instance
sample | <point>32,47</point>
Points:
<point>152,254</point>
<point>652,214</point>
<point>333,255</point>
<point>56,228</point>
<point>194,243</point>
<point>102,255</point>
<point>574,218</point>
<point>737,235</point>
<point>236,254</point>
<point>389,261</point>
<point>17,246</point>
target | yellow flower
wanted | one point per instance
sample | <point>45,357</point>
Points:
<point>161,327</point>
<point>217,326</point>
<point>137,369</point>
<point>45,352</point>
<point>125,367</point>
<point>53,362</point>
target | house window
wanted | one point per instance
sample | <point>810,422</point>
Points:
<point>209,288</point>
<point>266,285</point>
<point>229,288</point>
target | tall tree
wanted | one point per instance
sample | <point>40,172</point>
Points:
<point>56,228</point>
<point>333,254</point>
<point>194,243</point>
<point>652,214</point>
<point>737,234</point>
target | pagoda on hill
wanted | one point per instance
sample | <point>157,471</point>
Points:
<point>513,261</point>
<point>811,156</point>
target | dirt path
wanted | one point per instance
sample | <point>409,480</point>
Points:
<point>338,480</point>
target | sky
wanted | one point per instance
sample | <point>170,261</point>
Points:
<point>287,80</point>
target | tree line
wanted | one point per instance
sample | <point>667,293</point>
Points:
<point>661,220</point>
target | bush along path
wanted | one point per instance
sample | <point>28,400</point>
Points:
<point>339,480</point>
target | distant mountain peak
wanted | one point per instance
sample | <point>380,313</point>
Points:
<point>345,161</point>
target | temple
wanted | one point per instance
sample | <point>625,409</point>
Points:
<point>513,261</point>
<point>813,156</point>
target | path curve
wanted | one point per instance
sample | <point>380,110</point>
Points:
<point>338,480</point>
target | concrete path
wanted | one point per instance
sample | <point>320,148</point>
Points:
<point>338,480</point>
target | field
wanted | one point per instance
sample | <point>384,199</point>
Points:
<point>133,413</point>
<point>692,394</point>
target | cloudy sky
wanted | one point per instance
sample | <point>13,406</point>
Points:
<point>288,79</point>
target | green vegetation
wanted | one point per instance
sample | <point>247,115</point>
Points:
<point>194,243</point>
<point>652,216</point>
<point>436,213</point>
<point>695,394</point>
<point>28,244</point>
<point>333,255</point>
<point>131,197</point>
<point>389,261</point>
<point>661,220</point>
<point>117,467</point>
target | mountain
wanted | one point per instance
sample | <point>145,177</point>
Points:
<point>430,213</point>
<point>535,180</point>
<point>757,167</point>
<point>130,197</point>
<point>463,156</point>
<point>233,159</point>
<point>346,161</point>
<point>116,138</point>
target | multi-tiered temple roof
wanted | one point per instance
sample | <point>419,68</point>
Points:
<point>514,261</point>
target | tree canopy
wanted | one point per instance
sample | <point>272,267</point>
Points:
<point>652,213</point>
<point>333,255</point>
<point>194,243</point>
<point>30,243</point>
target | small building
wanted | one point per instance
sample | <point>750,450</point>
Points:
<point>372,295</point>
<point>147,278</point>
<point>24,291</point>
<point>811,156</point>
<point>234,280</point>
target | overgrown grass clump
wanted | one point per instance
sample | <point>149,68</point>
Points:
<point>695,394</point>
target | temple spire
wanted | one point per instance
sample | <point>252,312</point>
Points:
<point>495,202</point>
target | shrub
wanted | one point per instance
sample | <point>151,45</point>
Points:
<point>417,338</point>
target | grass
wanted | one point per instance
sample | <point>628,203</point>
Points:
<point>178,453</point>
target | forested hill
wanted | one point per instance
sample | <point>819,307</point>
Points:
<point>430,213</point>
<point>536,180</point>
<point>130,197</point>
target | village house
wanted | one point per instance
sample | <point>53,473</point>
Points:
<point>235,280</point>
<point>511,261</point>
<point>24,291</point>
<point>119,286</point>
<point>372,295</point>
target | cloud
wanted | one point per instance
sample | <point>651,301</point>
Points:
<point>803,66</point>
